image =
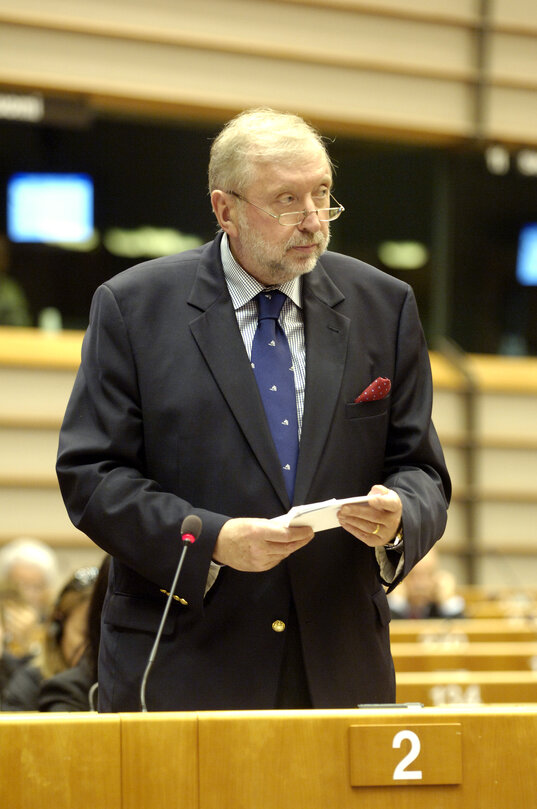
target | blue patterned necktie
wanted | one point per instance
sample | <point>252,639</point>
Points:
<point>273,368</point>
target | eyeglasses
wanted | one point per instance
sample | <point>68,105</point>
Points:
<point>291,219</point>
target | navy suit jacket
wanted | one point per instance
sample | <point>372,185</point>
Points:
<point>165,420</point>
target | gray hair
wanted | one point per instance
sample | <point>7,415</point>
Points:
<point>260,136</point>
<point>30,551</point>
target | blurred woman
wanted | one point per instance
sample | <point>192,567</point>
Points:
<point>74,688</point>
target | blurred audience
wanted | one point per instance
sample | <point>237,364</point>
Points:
<point>9,662</point>
<point>29,568</point>
<point>75,688</point>
<point>427,591</point>
<point>66,639</point>
<point>32,567</point>
<point>22,631</point>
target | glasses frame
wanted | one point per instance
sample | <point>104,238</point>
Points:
<point>339,210</point>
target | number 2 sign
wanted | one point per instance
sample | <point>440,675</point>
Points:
<point>401,773</point>
<point>398,755</point>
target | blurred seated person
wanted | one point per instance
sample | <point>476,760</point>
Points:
<point>9,663</point>
<point>66,639</point>
<point>21,631</point>
<point>74,689</point>
<point>427,592</point>
<point>30,568</point>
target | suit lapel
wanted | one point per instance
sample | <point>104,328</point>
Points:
<point>218,337</point>
<point>327,334</point>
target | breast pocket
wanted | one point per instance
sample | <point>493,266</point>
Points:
<point>367,410</point>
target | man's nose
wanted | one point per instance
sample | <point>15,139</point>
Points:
<point>311,222</point>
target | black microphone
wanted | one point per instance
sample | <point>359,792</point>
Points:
<point>190,531</point>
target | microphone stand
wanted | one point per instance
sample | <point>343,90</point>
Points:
<point>187,540</point>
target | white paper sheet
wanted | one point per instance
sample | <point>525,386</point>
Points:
<point>320,516</point>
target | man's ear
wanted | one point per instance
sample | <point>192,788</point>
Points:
<point>224,210</point>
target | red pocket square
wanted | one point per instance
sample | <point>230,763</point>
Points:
<point>378,389</point>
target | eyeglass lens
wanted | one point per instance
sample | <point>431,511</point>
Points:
<point>295,218</point>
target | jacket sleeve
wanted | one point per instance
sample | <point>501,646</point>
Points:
<point>101,464</point>
<point>414,462</point>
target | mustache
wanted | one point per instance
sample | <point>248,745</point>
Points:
<point>299,240</point>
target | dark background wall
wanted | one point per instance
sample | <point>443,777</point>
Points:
<point>154,173</point>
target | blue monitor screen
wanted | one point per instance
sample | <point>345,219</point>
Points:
<point>49,208</point>
<point>526,263</point>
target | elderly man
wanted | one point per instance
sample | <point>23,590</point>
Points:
<point>231,382</point>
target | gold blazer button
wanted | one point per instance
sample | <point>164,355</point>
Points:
<point>278,626</point>
<point>182,601</point>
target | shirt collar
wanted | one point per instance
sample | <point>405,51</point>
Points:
<point>243,287</point>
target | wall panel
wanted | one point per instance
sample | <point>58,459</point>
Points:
<point>520,14</point>
<point>457,11</point>
<point>409,67</point>
<point>513,60</point>
<point>172,75</point>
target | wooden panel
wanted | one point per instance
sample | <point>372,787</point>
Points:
<point>493,373</point>
<point>328,35</point>
<point>512,115</point>
<point>445,376</point>
<point>474,657</point>
<point>501,523</point>
<point>34,393</point>
<point>518,608</point>
<point>455,528</point>
<point>209,58</point>
<point>455,460</point>
<point>448,413</point>
<point>513,60</point>
<point>435,688</point>
<point>159,760</point>
<point>521,14</point>
<point>37,349</point>
<point>28,452</point>
<point>508,470</point>
<point>521,572</point>
<point>484,592</point>
<point>39,512</point>
<point>458,11</point>
<point>504,415</point>
<point>219,80</point>
<point>254,760</point>
<point>462,631</point>
<point>291,759</point>
<point>65,761</point>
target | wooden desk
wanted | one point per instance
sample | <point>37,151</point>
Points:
<point>473,656</point>
<point>268,759</point>
<point>159,760</point>
<point>300,760</point>
<point>502,609</point>
<point>437,688</point>
<point>463,630</point>
<point>59,761</point>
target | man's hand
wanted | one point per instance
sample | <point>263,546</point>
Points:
<point>254,545</point>
<point>375,522</point>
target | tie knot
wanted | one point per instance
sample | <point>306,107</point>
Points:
<point>270,303</point>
